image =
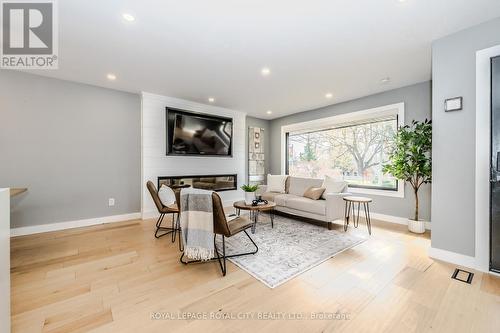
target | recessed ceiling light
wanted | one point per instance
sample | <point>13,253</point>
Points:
<point>269,112</point>
<point>111,77</point>
<point>385,80</point>
<point>211,99</point>
<point>128,17</point>
<point>265,71</point>
<point>328,95</point>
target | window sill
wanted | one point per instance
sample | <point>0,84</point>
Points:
<point>400,193</point>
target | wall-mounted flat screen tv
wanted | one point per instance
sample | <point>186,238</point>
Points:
<point>190,133</point>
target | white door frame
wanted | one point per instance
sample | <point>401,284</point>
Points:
<point>483,121</point>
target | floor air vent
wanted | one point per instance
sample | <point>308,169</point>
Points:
<point>462,275</point>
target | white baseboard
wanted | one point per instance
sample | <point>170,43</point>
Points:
<point>395,219</point>
<point>36,229</point>
<point>452,257</point>
<point>150,215</point>
<point>147,215</point>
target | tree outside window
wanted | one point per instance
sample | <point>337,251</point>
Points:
<point>354,152</point>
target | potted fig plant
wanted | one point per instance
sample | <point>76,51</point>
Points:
<point>410,160</point>
<point>249,193</point>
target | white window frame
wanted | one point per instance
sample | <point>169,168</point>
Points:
<point>329,122</point>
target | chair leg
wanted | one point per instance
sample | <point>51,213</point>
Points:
<point>222,259</point>
<point>223,263</point>
<point>159,227</point>
<point>167,230</point>
<point>179,231</point>
<point>158,222</point>
<point>174,228</point>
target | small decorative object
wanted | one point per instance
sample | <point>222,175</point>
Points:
<point>259,201</point>
<point>410,160</point>
<point>249,193</point>
<point>453,104</point>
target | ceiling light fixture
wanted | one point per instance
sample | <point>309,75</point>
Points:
<point>385,80</point>
<point>269,112</point>
<point>265,71</point>
<point>211,99</point>
<point>128,17</point>
<point>328,95</point>
<point>111,77</point>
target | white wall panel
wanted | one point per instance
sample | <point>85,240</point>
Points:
<point>155,163</point>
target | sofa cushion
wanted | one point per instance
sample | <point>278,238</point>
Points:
<point>269,196</point>
<point>298,185</point>
<point>314,193</point>
<point>306,205</point>
<point>333,186</point>
<point>276,183</point>
<point>279,198</point>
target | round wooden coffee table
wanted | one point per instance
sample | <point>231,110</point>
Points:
<point>351,201</point>
<point>255,210</point>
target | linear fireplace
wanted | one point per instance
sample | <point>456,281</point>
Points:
<point>217,183</point>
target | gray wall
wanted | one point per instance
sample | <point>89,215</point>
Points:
<point>417,99</point>
<point>73,145</point>
<point>454,74</point>
<point>262,123</point>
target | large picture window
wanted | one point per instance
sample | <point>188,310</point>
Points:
<point>352,151</point>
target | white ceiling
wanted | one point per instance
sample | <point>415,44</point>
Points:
<point>198,49</point>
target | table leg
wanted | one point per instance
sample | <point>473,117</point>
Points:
<point>357,219</point>
<point>255,218</point>
<point>271,213</point>
<point>368,219</point>
<point>354,215</point>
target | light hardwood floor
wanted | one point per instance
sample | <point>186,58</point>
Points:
<point>115,277</point>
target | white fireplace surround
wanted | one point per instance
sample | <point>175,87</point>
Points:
<point>155,163</point>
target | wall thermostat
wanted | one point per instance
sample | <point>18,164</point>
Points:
<point>453,104</point>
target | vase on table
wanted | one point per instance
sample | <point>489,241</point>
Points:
<point>249,197</point>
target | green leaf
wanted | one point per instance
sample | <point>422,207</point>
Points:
<point>250,188</point>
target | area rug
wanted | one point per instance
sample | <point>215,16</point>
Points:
<point>287,250</point>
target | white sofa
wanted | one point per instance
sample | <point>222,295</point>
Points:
<point>293,202</point>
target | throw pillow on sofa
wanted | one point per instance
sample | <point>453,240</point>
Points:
<point>276,183</point>
<point>333,186</point>
<point>167,195</point>
<point>314,193</point>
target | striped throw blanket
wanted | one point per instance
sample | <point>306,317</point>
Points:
<point>197,223</point>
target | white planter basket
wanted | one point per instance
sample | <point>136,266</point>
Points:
<point>249,197</point>
<point>417,227</point>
